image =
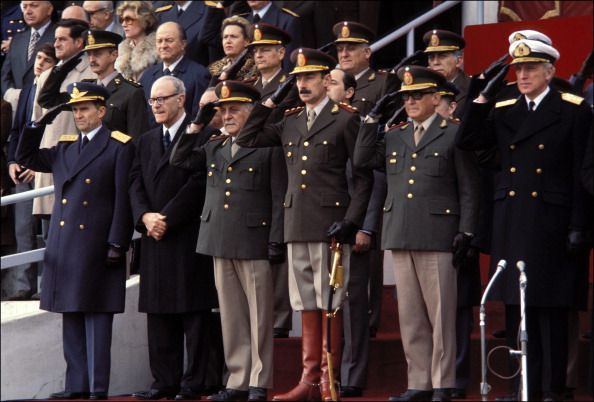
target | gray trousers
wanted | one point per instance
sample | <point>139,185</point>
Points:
<point>283,313</point>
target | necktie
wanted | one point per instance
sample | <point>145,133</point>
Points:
<point>32,43</point>
<point>234,148</point>
<point>166,72</point>
<point>531,106</point>
<point>419,131</point>
<point>85,141</point>
<point>256,18</point>
<point>166,140</point>
<point>311,117</point>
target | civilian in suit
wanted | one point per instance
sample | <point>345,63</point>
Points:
<point>191,15</point>
<point>541,212</point>
<point>84,275</point>
<point>126,109</point>
<point>431,209</point>
<point>102,16</point>
<point>176,284</point>
<point>17,70</point>
<point>16,283</point>
<point>445,50</point>
<point>171,46</point>
<point>242,228</point>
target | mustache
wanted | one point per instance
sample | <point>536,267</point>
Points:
<point>305,91</point>
<point>93,64</point>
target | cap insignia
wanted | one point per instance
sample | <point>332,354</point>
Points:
<point>519,36</point>
<point>76,94</point>
<point>345,32</point>
<point>407,78</point>
<point>434,39</point>
<point>522,50</point>
<point>301,60</point>
<point>225,91</point>
<point>257,34</point>
<point>90,39</point>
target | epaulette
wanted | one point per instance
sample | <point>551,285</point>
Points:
<point>402,125</point>
<point>455,120</point>
<point>215,137</point>
<point>571,98</point>
<point>348,107</point>
<point>290,12</point>
<point>133,83</point>
<point>214,4</point>
<point>504,103</point>
<point>294,110</point>
<point>121,137</point>
<point>164,8</point>
<point>68,138</point>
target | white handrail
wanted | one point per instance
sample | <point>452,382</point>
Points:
<point>27,195</point>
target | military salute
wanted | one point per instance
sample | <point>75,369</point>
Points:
<point>84,272</point>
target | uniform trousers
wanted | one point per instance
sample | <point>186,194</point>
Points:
<point>245,292</point>
<point>309,268</point>
<point>86,340</point>
<point>166,349</point>
<point>283,314</point>
<point>427,292</point>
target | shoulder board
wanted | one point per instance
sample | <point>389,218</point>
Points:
<point>504,103</point>
<point>571,98</point>
<point>68,138</point>
<point>164,8</point>
<point>215,137</point>
<point>402,125</point>
<point>348,107</point>
<point>512,83</point>
<point>250,80</point>
<point>455,120</point>
<point>294,110</point>
<point>371,77</point>
<point>214,4</point>
<point>290,12</point>
<point>126,80</point>
<point>121,137</point>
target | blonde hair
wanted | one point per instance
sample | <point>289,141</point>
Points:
<point>246,27</point>
<point>144,12</point>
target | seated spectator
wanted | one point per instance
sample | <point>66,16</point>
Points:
<point>236,32</point>
<point>101,16</point>
<point>76,13</point>
<point>138,51</point>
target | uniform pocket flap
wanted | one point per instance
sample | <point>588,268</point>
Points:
<point>257,220</point>
<point>388,205</point>
<point>288,200</point>
<point>205,216</point>
<point>335,200</point>
<point>499,194</point>
<point>557,198</point>
<point>443,207</point>
<point>436,153</point>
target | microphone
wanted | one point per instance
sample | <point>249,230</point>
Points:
<point>501,265</point>
<point>521,265</point>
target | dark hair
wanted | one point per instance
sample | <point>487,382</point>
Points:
<point>47,49</point>
<point>77,27</point>
<point>349,81</point>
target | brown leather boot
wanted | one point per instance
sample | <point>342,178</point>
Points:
<point>336,334</point>
<point>308,388</point>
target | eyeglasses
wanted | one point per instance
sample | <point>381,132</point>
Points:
<point>160,100</point>
<point>128,20</point>
<point>415,95</point>
<point>91,13</point>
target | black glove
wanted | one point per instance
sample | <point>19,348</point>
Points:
<point>282,90</point>
<point>234,68</point>
<point>495,84</point>
<point>495,67</point>
<point>414,58</point>
<point>385,104</point>
<point>342,231</point>
<point>460,247</point>
<point>471,261</point>
<point>205,114</point>
<point>115,256</point>
<point>577,242</point>
<point>49,116</point>
<point>276,252</point>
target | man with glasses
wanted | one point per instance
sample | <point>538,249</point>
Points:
<point>101,16</point>
<point>430,215</point>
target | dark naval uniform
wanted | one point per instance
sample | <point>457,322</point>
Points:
<point>91,213</point>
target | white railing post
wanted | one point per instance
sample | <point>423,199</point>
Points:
<point>410,42</point>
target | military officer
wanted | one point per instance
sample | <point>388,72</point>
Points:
<point>540,210</point>
<point>354,55</point>
<point>242,228</point>
<point>317,141</point>
<point>431,209</point>
<point>126,108</point>
<point>84,274</point>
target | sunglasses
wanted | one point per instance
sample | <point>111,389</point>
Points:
<point>128,20</point>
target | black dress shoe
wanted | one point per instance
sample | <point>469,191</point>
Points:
<point>69,395</point>
<point>257,394</point>
<point>20,295</point>
<point>413,395</point>
<point>350,392</point>
<point>441,395</point>
<point>154,394</point>
<point>186,394</point>
<point>458,393</point>
<point>230,394</point>
<point>98,396</point>
<point>280,333</point>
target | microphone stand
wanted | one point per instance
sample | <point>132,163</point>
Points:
<point>485,387</point>
<point>523,352</point>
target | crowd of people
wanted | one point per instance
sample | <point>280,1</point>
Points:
<point>248,162</point>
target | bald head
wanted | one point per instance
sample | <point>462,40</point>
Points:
<point>75,12</point>
<point>171,42</point>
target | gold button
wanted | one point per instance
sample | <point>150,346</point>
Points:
<point>412,168</point>
<point>409,195</point>
<point>436,154</point>
<point>512,169</point>
<point>212,165</point>
<point>512,193</point>
<point>209,174</point>
<point>88,181</point>
<point>325,142</point>
<point>290,143</point>
<point>306,144</point>
<point>303,186</point>
<point>226,206</point>
<point>337,204</point>
<point>64,201</point>
<point>62,223</point>
<point>411,181</point>
<point>393,161</point>
<point>448,211</point>
<point>534,194</point>
<point>81,227</point>
<point>414,155</point>
<point>304,172</point>
<point>227,193</point>
<point>289,154</point>
<point>85,203</point>
<point>230,169</point>
<point>512,147</point>
<point>304,157</point>
<point>250,169</point>
<point>541,146</point>
<point>228,181</point>
<point>263,223</point>
<point>394,153</point>
<point>538,171</point>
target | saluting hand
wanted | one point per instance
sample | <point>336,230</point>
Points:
<point>155,224</point>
